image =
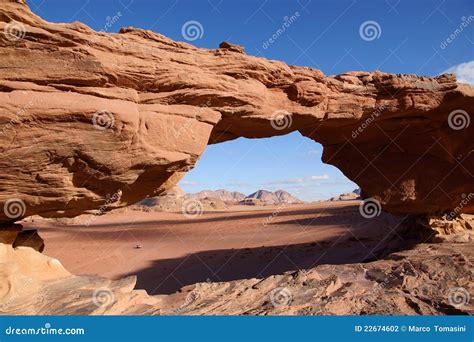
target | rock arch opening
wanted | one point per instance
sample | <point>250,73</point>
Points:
<point>290,162</point>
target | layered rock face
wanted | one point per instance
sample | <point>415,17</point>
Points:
<point>428,280</point>
<point>95,121</point>
<point>34,284</point>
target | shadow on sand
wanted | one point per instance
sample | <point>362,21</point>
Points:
<point>168,276</point>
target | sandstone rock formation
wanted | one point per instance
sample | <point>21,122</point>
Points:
<point>170,200</point>
<point>34,284</point>
<point>428,280</point>
<point>431,279</point>
<point>95,121</point>
<point>460,229</point>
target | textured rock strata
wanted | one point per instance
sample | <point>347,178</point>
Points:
<point>429,280</point>
<point>95,121</point>
<point>34,284</point>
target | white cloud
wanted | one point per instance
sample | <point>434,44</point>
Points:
<point>237,183</point>
<point>188,183</point>
<point>302,180</point>
<point>314,152</point>
<point>464,72</point>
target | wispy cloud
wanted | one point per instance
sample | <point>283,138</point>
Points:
<point>301,180</point>
<point>188,183</point>
<point>237,183</point>
<point>464,72</point>
<point>313,152</point>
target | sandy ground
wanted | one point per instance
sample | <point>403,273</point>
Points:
<point>239,243</point>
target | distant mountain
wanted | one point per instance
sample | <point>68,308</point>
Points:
<point>223,195</point>
<point>277,197</point>
<point>260,197</point>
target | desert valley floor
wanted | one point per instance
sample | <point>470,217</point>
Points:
<point>304,259</point>
<point>168,250</point>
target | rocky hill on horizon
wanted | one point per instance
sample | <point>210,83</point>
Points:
<point>262,197</point>
<point>276,197</point>
<point>222,194</point>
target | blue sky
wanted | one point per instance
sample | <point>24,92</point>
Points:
<point>410,37</point>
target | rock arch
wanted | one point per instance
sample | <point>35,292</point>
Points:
<point>97,121</point>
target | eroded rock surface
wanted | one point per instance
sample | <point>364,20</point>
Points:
<point>431,279</point>
<point>34,284</point>
<point>95,121</point>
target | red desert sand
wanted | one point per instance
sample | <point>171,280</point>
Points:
<point>169,250</point>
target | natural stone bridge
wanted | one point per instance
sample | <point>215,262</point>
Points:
<point>95,120</point>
